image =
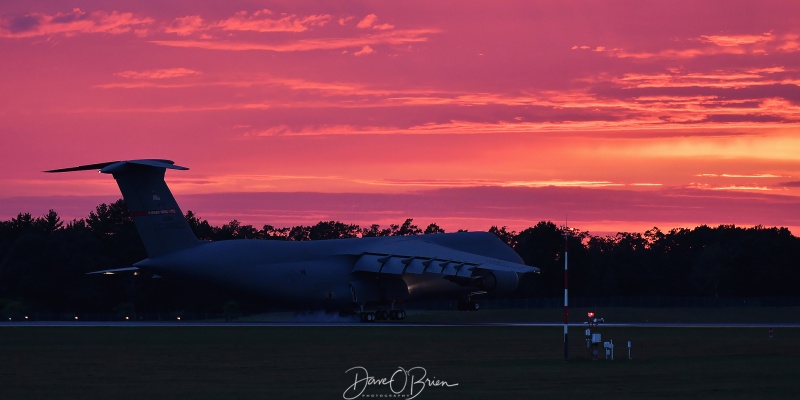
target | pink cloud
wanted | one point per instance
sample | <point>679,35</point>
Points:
<point>720,45</point>
<point>186,26</point>
<point>398,37</point>
<point>367,22</point>
<point>263,21</point>
<point>370,22</point>
<point>75,22</point>
<point>364,51</point>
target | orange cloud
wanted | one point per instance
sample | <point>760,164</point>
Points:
<point>367,22</point>
<point>741,176</point>
<point>744,188</point>
<point>737,40</point>
<point>158,73</point>
<point>719,45</point>
<point>464,183</point>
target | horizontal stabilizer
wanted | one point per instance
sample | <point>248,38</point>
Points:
<point>110,166</point>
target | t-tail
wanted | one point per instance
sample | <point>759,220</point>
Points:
<point>160,222</point>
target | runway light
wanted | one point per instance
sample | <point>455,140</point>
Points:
<point>76,317</point>
<point>26,317</point>
<point>179,318</point>
<point>126,318</point>
<point>590,314</point>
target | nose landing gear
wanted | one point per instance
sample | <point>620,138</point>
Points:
<point>469,304</point>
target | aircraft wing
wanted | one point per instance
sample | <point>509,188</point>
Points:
<point>417,257</point>
<point>113,271</point>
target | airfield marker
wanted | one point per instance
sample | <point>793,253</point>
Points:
<point>566,294</point>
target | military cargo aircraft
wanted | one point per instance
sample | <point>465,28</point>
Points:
<point>372,277</point>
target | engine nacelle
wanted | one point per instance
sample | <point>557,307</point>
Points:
<point>496,281</point>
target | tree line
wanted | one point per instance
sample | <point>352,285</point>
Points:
<point>44,261</point>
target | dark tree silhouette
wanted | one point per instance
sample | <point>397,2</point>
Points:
<point>201,228</point>
<point>406,229</point>
<point>503,233</point>
<point>272,233</point>
<point>375,231</point>
<point>333,230</point>
<point>43,262</point>
<point>433,228</point>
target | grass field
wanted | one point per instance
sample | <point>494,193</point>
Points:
<point>270,362</point>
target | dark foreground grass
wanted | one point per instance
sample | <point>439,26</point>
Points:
<point>310,362</point>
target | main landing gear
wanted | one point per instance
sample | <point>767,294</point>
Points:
<point>382,315</point>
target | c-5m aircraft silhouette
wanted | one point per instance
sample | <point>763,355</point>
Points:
<point>372,276</point>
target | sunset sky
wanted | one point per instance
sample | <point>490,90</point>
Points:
<point>623,115</point>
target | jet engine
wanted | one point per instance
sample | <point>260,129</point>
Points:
<point>496,281</point>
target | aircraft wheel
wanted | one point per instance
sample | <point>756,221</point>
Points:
<point>393,315</point>
<point>367,317</point>
<point>474,306</point>
<point>401,314</point>
<point>381,315</point>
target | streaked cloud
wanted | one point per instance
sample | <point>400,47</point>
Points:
<point>473,208</point>
<point>737,40</point>
<point>158,73</point>
<point>72,23</point>
<point>396,37</point>
<point>706,186</point>
<point>450,183</point>
<point>186,26</point>
<point>266,21</point>
<point>757,176</point>
<point>705,46</point>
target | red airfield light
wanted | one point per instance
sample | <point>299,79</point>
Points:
<point>590,314</point>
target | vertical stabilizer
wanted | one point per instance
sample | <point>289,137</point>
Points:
<point>160,222</point>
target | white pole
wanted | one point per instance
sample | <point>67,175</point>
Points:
<point>566,299</point>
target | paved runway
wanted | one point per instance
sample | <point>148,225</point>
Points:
<point>189,324</point>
